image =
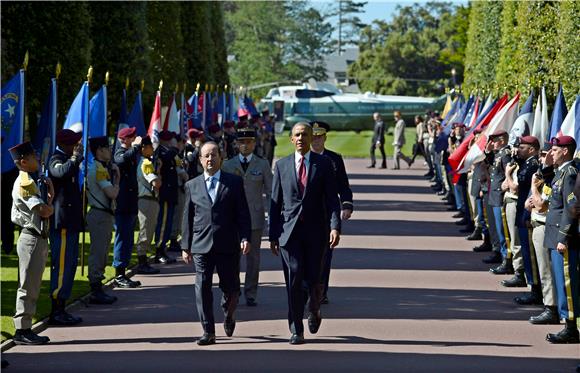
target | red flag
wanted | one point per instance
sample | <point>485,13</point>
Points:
<point>155,123</point>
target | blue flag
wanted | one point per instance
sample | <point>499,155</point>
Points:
<point>251,106</point>
<point>98,109</point>
<point>558,115</point>
<point>123,113</point>
<point>208,109</point>
<point>45,140</point>
<point>12,118</point>
<point>136,118</point>
<point>77,118</point>
<point>221,103</point>
<point>194,103</point>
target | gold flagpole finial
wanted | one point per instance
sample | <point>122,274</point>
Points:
<point>161,84</point>
<point>176,87</point>
<point>107,78</point>
<point>184,87</point>
<point>142,84</point>
<point>90,74</point>
<point>225,88</point>
<point>127,83</point>
<point>25,63</point>
<point>57,70</point>
<point>197,87</point>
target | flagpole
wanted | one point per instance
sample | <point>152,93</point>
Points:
<point>85,165</point>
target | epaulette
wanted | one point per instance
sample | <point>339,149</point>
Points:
<point>571,169</point>
<point>147,166</point>
<point>178,161</point>
<point>547,190</point>
<point>101,172</point>
<point>27,186</point>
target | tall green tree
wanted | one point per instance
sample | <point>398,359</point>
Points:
<point>220,54</point>
<point>349,24</point>
<point>567,66</point>
<point>198,45</point>
<point>507,71</point>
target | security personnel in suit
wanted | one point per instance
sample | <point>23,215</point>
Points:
<point>28,211</point>
<point>216,227</point>
<point>304,218</point>
<point>498,156</point>
<point>257,176</point>
<point>66,223</point>
<point>562,238</point>
<point>102,190</point>
<point>149,184</point>
<point>319,130</point>
<point>378,141</point>
<point>127,159</point>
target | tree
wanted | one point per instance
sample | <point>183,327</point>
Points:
<point>349,24</point>
<point>198,44</point>
<point>507,71</point>
<point>220,55</point>
<point>566,64</point>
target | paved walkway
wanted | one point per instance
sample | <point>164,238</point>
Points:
<point>408,294</point>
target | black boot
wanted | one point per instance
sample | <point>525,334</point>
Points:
<point>548,316</point>
<point>533,297</point>
<point>122,281</point>
<point>144,268</point>
<point>505,268</point>
<point>485,246</point>
<point>518,281</point>
<point>28,337</point>
<point>383,165</point>
<point>161,257</point>
<point>98,296</point>
<point>476,235</point>
<point>458,215</point>
<point>568,335</point>
<point>495,257</point>
<point>59,316</point>
<point>174,246</point>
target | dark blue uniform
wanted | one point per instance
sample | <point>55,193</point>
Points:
<point>497,164</point>
<point>167,194</point>
<point>65,224</point>
<point>127,159</point>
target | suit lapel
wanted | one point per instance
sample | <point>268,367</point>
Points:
<point>203,189</point>
<point>295,175</point>
<point>220,189</point>
<point>311,171</point>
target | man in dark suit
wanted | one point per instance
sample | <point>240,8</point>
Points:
<point>216,226</point>
<point>304,221</point>
<point>378,141</point>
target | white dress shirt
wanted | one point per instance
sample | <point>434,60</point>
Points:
<point>207,178</point>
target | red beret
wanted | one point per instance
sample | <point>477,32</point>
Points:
<point>194,133</point>
<point>68,137</point>
<point>477,131</point>
<point>214,128</point>
<point>229,124</point>
<point>530,140</point>
<point>458,124</point>
<point>563,141</point>
<point>127,132</point>
<point>166,135</point>
<point>498,134</point>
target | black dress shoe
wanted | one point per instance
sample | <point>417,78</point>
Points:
<point>251,303</point>
<point>505,268</point>
<point>297,339</point>
<point>458,215</point>
<point>495,257</point>
<point>548,316</point>
<point>229,327</point>
<point>146,269</point>
<point>206,339</point>
<point>518,281</point>
<point>123,281</point>
<point>371,166</point>
<point>485,246</point>
<point>475,236</point>
<point>528,299</point>
<point>441,193</point>
<point>28,337</point>
<point>324,300</point>
<point>567,335</point>
<point>63,318</point>
<point>164,259</point>
<point>100,297</point>
<point>314,321</point>
<point>463,221</point>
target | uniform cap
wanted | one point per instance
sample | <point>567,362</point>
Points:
<point>146,141</point>
<point>229,124</point>
<point>21,150</point>
<point>530,140</point>
<point>98,142</point>
<point>166,135</point>
<point>246,133</point>
<point>68,137</point>
<point>194,133</point>
<point>458,125</point>
<point>563,141</point>
<point>127,132</point>
<point>214,128</point>
<point>499,133</point>
<point>319,128</point>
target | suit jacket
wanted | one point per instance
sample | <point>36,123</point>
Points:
<point>318,208</point>
<point>342,183</point>
<point>219,226</point>
<point>399,133</point>
<point>379,132</point>
<point>68,200</point>
<point>257,182</point>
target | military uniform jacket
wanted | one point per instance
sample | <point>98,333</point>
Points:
<point>191,160</point>
<point>479,179</point>
<point>127,160</point>
<point>145,176</point>
<point>168,173</point>
<point>497,164</point>
<point>379,132</point>
<point>257,182</point>
<point>525,173</point>
<point>67,202</point>
<point>561,224</point>
<point>25,197</point>
<point>342,183</point>
<point>97,180</point>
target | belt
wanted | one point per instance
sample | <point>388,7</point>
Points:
<point>33,232</point>
<point>151,198</point>
<point>536,223</point>
<point>510,199</point>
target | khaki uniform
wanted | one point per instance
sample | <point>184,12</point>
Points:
<point>148,205</point>
<point>32,248</point>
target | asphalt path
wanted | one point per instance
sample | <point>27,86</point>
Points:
<point>407,294</point>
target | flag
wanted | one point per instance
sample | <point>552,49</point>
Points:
<point>571,124</point>
<point>251,106</point>
<point>201,108</point>
<point>45,140</point>
<point>98,113</point>
<point>447,106</point>
<point>155,123</point>
<point>221,108</point>
<point>471,116</point>
<point>188,115</point>
<point>172,118</point>
<point>135,118</point>
<point>242,108</point>
<point>209,106</point>
<point>558,115</point>
<point>12,118</point>
<point>503,120</point>
<point>77,118</point>
<point>194,103</point>
<point>233,108</point>
<point>524,122</point>
<point>540,129</point>
<point>123,114</point>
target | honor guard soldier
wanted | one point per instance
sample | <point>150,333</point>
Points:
<point>149,184</point>
<point>182,178</point>
<point>562,238</point>
<point>257,176</point>
<point>102,190</point>
<point>498,157</point>
<point>66,223</point>
<point>230,139</point>
<point>166,154</point>
<point>269,136</point>
<point>216,135</point>
<point>477,189</point>
<point>127,159</point>
<point>195,139</point>
<point>30,212</point>
<point>319,130</point>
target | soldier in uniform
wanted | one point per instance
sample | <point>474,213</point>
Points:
<point>102,189</point>
<point>31,213</point>
<point>257,177</point>
<point>66,223</point>
<point>127,159</point>
<point>230,139</point>
<point>319,130</point>
<point>149,184</point>
<point>562,238</point>
<point>195,139</point>
<point>269,136</point>
<point>378,141</point>
<point>181,180</point>
<point>478,184</point>
<point>498,156</point>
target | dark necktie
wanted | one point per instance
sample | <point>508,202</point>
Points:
<point>302,179</point>
<point>245,164</point>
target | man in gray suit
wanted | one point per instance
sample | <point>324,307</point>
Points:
<point>304,222</point>
<point>378,141</point>
<point>257,176</point>
<point>215,228</point>
<point>399,140</point>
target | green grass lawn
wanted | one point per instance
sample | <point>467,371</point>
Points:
<point>9,278</point>
<point>349,143</point>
